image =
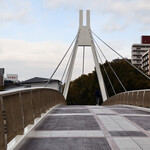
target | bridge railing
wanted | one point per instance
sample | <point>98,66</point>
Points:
<point>136,98</point>
<point>18,109</point>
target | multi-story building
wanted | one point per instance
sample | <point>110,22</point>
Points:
<point>137,51</point>
<point>146,62</point>
<point>1,76</point>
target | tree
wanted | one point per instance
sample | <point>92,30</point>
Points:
<point>82,90</point>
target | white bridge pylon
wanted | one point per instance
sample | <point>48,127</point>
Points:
<point>85,38</point>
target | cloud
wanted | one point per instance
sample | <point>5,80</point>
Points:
<point>38,58</point>
<point>27,51</point>
<point>135,11</point>
<point>67,4</point>
<point>14,10</point>
<point>30,59</point>
<point>131,11</point>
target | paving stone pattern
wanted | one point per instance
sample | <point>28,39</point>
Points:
<point>127,133</point>
<point>131,111</point>
<point>69,123</point>
<point>66,144</point>
<point>64,111</point>
<point>102,128</point>
<point>142,121</point>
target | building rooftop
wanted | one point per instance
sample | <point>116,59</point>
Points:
<point>38,80</point>
<point>140,45</point>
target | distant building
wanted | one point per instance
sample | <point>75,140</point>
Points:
<point>8,83</point>
<point>146,62</point>
<point>145,39</point>
<point>41,82</point>
<point>12,77</point>
<point>1,76</point>
<point>137,51</point>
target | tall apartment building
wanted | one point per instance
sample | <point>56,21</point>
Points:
<point>139,49</point>
<point>146,62</point>
<point>1,76</point>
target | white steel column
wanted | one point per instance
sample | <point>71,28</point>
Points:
<point>70,69</point>
<point>98,71</point>
<point>88,18</point>
<point>80,18</point>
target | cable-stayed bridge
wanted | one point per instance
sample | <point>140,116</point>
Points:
<point>39,119</point>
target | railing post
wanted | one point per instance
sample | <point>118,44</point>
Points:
<point>22,109</point>
<point>3,126</point>
<point>147,99</point>
<point>32,104</point>
<point>139,98</point>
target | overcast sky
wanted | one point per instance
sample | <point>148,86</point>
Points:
<point>34,34</point>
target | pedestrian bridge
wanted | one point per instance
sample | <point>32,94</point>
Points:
<point>38,119</point>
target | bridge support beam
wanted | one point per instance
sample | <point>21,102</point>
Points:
<point>98,71</point>
<point>70,69</point>
<point>84,38</point>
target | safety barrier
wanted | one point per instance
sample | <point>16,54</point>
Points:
<point>136,98</point>
<point>19,108</point>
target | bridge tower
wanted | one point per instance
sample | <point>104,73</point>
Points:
<point>85,39</point>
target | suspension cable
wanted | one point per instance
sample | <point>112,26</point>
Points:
<point>106,73</point>
<point>111,67</point>
<point>66,66</point>
<point>83,59</point>
<point>61,61</point>
<point>122,56</point>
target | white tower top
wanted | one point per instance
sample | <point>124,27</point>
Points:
<point>81,18</point>
<point>84,38</point>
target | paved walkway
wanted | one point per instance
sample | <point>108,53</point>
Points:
<point>90,128</point>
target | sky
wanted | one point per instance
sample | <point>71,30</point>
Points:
<point>34,35</point>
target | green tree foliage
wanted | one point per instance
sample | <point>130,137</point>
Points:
<point>82,90</point>
<point>130,77</point>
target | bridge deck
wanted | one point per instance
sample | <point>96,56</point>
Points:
<point>90,128</point>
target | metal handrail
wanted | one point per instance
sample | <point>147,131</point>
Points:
<point>19,108</point>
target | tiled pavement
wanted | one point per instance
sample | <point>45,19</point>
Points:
<point>90,128</point>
